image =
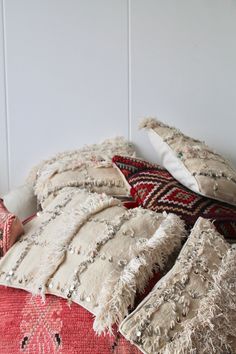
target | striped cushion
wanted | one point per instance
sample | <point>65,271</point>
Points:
<point>10,229</point>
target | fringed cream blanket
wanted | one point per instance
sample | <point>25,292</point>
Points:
<point>88,248</point>
<point>89,167</point>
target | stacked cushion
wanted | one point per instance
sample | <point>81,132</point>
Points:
<point>154,188</point>
<point>11,229</point>
<point>89,167</point>
<point>192,162</point>
<point>99,254</point>
<point>193,308</point>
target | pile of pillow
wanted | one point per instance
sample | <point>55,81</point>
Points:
<point>101,254</point>
<point>88,248</point>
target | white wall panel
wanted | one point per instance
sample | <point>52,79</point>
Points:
<point>183,69</point>
<point>67,76</point>
<point>78,71</point>
<point>3,114</point>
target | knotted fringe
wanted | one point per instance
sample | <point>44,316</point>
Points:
<point>118,292</point>
<point>48,190</point>
<point>168,132</point>
<point>213,330</point>
<point>57,250</point>
<point>33,174</point>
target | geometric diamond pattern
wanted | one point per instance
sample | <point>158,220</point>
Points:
<point>154,188</point>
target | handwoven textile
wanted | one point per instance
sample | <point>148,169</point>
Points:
<point>32,327</point>
<point>154,188</point>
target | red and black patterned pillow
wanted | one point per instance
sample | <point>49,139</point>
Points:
<point>155,188</point>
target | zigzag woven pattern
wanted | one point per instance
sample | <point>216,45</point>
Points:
<point>155,188</point>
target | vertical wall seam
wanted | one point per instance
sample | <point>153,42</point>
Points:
<point>6,93</point>
<point>129,70</point>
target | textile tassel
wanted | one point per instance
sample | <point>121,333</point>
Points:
<point>33,175</point>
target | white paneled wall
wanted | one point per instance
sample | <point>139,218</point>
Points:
<point>78,71</point>
<point>4,180</point>
<point>184,68</point>
<point>67,76</point>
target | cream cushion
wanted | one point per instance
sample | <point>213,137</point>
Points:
<point>90,249</point>
<point>21,201</point>
<point>193,308</point>
<point>192,162</point>
<point>89,167</point>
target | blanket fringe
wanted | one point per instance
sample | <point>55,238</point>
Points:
<point>95,154</point>
<point>44,193</point>
<point>213,330</point>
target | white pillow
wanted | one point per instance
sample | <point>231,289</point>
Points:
<point>192,162</point>
<point>21,201</point>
